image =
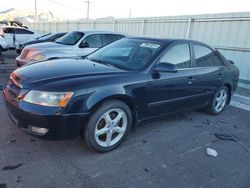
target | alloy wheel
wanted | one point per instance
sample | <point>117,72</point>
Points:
<point>111,127</point>
<point>220,100</point>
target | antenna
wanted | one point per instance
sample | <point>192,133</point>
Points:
<point>88,2</point>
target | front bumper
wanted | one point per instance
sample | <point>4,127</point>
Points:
<point>44,121</point>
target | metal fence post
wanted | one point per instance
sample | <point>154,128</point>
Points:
<point>189,27</point>
<point>77,25</point>
<point>114,25</point>
<point>49,27</point>
<point>67,26</point>
<point>143,27</point>
<point>55,26</point>
<point>43,27</point>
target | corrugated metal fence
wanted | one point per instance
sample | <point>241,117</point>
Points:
<point>229,32</point>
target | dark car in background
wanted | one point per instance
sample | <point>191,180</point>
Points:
<point>128,81</point>
<point>13,23</point>
<point>50,37</point>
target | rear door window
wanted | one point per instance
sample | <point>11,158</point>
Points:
<point>94,41</point>
<point>178,55</point>
<point>217,61</point>
<point>205,57</point>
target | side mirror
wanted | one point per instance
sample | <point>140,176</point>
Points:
<point>166,67</point>
<point>230,61</point>
<point>84,45</point>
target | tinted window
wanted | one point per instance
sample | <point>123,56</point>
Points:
<point>203,56</point>
<point>51,36</point>
<point>58,35</point>
<point>109,38</point>
<point>70,38</point>
<point>44,36</point>
<point>94,41</point>
<point>23,31</point>
<point>119,52</point>
<point>217,61</point>
<point>8,30</point>
<point>178,55</point>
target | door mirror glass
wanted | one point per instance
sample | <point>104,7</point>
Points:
<point>84,45</point>
<point>166,67</point>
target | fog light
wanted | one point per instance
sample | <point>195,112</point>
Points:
<point>38,130</point>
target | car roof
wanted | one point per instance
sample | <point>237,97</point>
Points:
<point>15,27</point>
<point>100,32</point>
<point>166,40</point>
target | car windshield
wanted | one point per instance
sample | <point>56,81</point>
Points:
<point>46,36</point>
<point>127,54</point>
<point>70,38</point>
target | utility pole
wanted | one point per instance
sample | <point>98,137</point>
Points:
<point>130,13</point>
<point>88,2</point>
<point>36,19</point>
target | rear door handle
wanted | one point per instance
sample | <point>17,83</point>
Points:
<point>219,76</point>
<point>191,79</point>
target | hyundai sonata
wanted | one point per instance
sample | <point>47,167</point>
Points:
<point>126,82</point>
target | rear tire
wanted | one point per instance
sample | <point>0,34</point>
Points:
<point>219,101</point>
<point>108,126</point>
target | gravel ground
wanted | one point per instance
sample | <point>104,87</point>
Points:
<point>168,152</point>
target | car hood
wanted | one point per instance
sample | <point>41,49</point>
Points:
<point>62,70</point>
<point>48,46</point>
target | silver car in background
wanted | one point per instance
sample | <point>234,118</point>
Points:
<point>73,44</point>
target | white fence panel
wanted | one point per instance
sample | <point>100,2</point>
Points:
<point>229,31</point>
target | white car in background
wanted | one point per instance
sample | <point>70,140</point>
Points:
<point>15,35</point>
<point>3,44</point>
<point>73,44</point>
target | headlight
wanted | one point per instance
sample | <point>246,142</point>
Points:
<point>37,57</point>
<point>32,55</point>
<point>54,99</point>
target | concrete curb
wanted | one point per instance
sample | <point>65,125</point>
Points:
<point>240,101</point>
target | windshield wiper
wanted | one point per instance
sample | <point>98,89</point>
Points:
<point>100,61</point>
<point>106,63</point>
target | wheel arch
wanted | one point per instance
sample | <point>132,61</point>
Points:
<point>121,97</point>
<point>229,87</point>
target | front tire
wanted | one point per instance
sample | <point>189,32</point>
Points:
<point>108,126</point>
<point>220,101</point>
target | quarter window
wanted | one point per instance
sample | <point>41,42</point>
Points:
<point>94,41</point>
<point>178,55</point>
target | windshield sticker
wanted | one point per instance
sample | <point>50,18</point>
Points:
<point>150,45</point>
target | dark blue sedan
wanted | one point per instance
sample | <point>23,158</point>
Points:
<point>126,82</point>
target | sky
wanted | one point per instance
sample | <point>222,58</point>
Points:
<point>74,9</point>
